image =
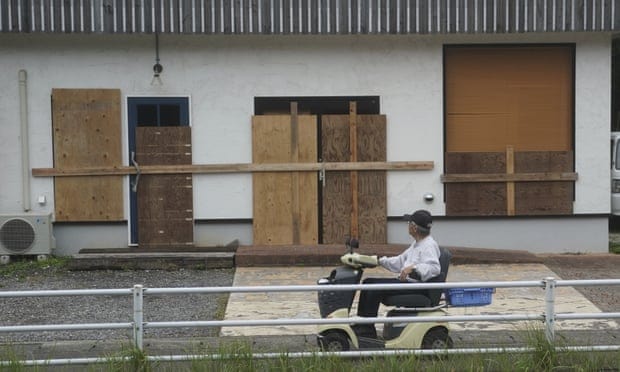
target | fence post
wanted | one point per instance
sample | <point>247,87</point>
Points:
<point>138,316</point>
<point>550,283</point>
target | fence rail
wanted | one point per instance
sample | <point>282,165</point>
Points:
<point>139,324</point>
<point>308,16</point>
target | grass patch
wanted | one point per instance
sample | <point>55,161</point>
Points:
<point>240,357</point>
<point>22,266</point>
<point>221,303</point>
<point>542,359</point>
<point>130,359</point>
<point>614,248</point>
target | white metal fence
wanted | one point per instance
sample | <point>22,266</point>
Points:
<point>139,324</point>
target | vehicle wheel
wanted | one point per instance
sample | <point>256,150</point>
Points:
<point>334,341</point>
<point>437,338</point>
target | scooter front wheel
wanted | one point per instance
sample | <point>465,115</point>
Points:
<point>334,341</point>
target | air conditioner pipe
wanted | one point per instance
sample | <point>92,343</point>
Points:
<point>23,120</point>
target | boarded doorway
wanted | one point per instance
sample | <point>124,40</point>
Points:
<point>327,212</point>
<point>161,205</point>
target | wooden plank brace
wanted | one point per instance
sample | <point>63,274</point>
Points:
<point>354,176</point>
<point>295,175</point>
<point>510,185</point>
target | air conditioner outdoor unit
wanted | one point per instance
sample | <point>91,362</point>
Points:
<point>26,234</point>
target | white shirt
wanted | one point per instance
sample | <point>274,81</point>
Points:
<point>424,254</point>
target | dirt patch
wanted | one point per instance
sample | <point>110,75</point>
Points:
<point>589,266</point>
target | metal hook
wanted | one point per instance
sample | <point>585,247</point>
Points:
<point>322,174</point>
<point>134,185</point>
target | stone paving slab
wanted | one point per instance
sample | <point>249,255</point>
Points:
<point>304,305</point>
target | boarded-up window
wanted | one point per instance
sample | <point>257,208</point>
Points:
<point>509,109</point>
<point>86,126</point>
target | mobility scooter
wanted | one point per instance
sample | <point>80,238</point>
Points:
<point>337,304</point>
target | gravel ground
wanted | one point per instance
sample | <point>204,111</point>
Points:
<point>98,309</point>
<point>590,266</point>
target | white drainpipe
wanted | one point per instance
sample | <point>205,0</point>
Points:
<point>23,119</point>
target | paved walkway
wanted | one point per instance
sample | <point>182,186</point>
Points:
<point>304,304</point>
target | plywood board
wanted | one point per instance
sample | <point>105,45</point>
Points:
<point>165,202</point>
<point>477,199</point>
<point>337,196</point>
<point>277,217</point>
<point>490,198</point>
<point>336,191</point>
<point>372,185</point>
<point>501,96</point>
<point>86,126</point>
<point>544,198</point>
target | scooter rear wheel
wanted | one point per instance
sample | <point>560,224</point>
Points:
<point>334,341</point>
<point>437,338</point>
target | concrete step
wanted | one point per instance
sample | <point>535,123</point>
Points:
<point>265,256</point>
<point>152,261</point>
<point>329,255</point>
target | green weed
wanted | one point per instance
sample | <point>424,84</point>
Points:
<point>23,266</point>
<point>614,248</point>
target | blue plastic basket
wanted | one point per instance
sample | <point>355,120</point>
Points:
<point>470,296</point>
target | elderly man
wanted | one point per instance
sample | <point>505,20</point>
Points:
<point>418,263</point>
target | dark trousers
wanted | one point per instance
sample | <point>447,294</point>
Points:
<point>370,300</point>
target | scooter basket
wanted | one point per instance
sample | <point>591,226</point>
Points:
<point>470,296</point>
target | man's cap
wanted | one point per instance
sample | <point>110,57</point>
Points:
<point>421,218</point>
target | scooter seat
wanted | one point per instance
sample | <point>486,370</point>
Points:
<point>408,300</point>
<point>426,297</point>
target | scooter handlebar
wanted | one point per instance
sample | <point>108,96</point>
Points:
<point>357,260</point>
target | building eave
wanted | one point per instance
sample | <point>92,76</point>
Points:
<point>311,17</point>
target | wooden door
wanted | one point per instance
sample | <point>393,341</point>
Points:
<point>354,203</point>
<point>165,202</point>
<point>284,203</point>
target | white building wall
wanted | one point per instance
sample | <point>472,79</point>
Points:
<point>222,75</point>
<point>593,125</point>
<point>536,235</point>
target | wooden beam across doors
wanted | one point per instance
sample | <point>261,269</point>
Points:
<point>509,177</point>
<point>236,168</point>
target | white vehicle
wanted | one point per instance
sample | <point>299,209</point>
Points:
<point>615,174</point>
